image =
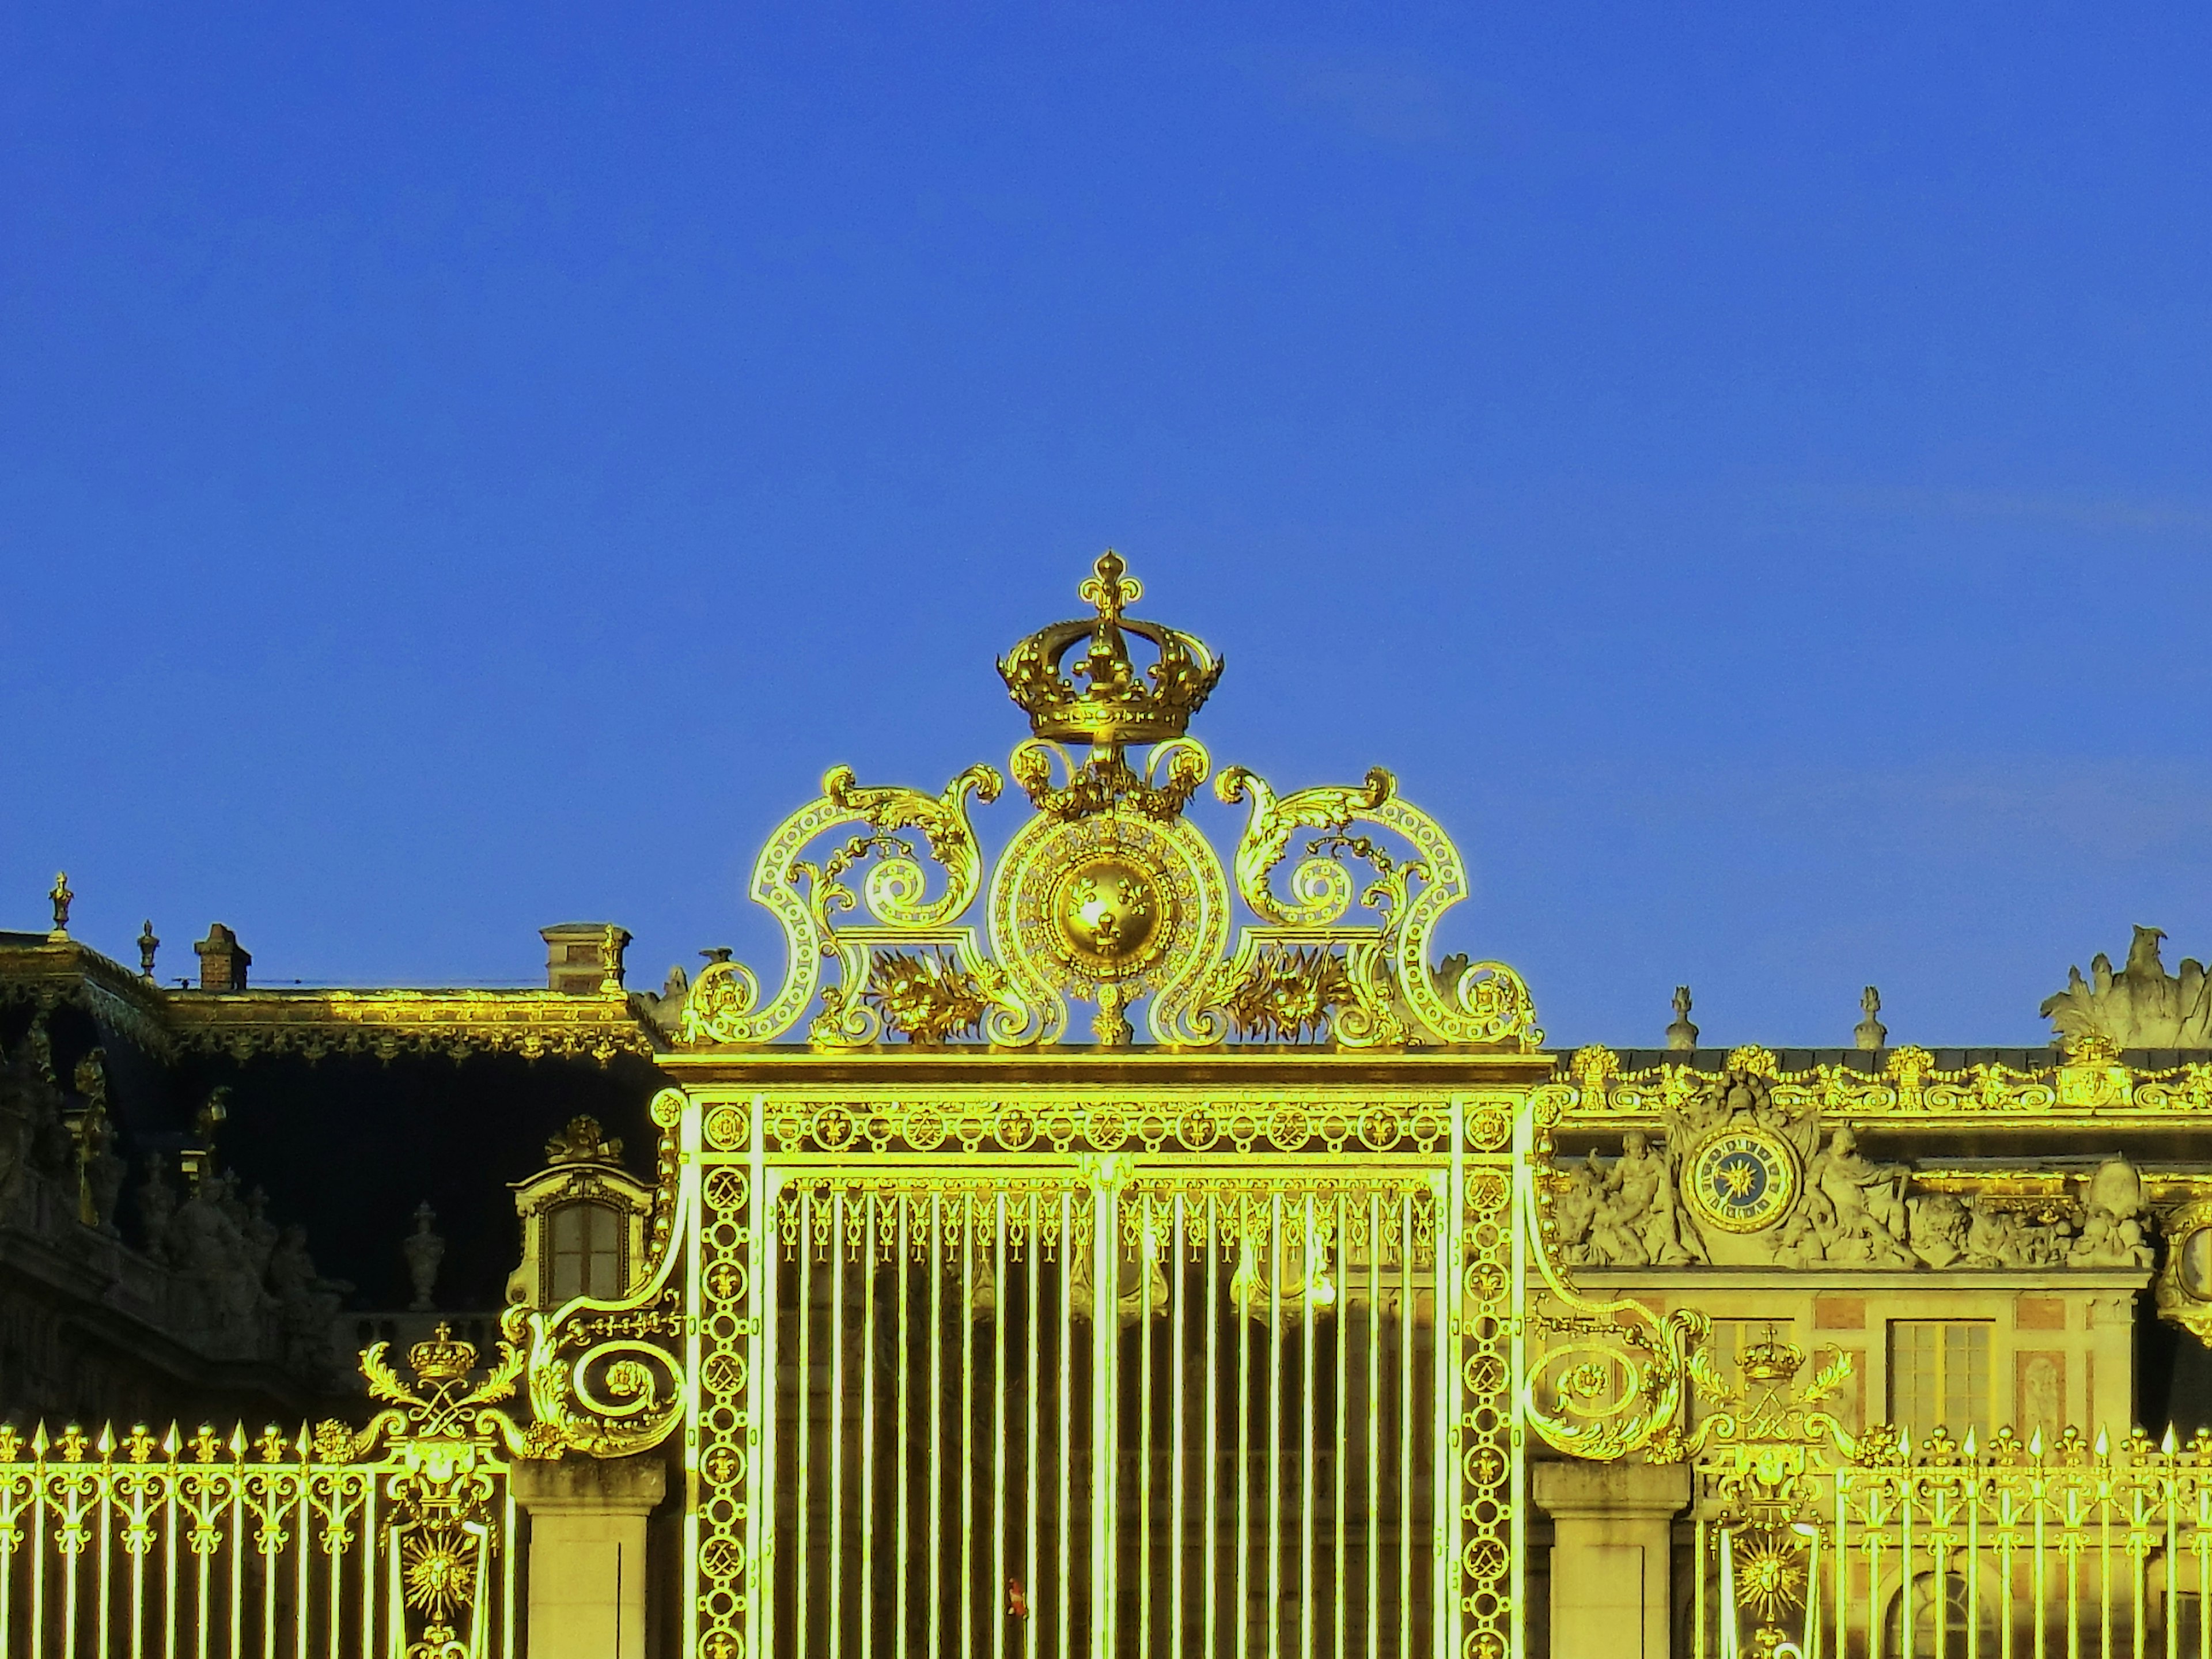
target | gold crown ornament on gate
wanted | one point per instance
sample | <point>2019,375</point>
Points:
<point>1103,699</point>
<point>897,927</point>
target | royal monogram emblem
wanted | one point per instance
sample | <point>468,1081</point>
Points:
<point>1742,1179</point>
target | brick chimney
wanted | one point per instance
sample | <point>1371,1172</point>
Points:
<point>576,955</point>
<point>223,960</point>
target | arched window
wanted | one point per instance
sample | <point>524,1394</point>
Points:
<point>1950,1604</point>
<point>585,1252</point>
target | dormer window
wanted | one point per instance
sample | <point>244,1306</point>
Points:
<point>585,1255</point>
<point>584,1220</point>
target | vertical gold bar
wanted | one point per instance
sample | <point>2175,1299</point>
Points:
<point>300,1535</point>
<point>993,1602</point>
<point>1145,1423</point>
<point>763,1370</point>
<point>171,1617</point>
<point>905,1203</point>
<point>237,1543</point>
<point>1211,1404</point>
<point>2203,1569</point>
<point>1179,1397</point>
<point>1066,1427</point>
<point>866,1517</point>
<point>1374,1471</point>
<point>2039,1591</point>
<point>2170,1496</point>
<point>1443,1514</point>
<point>967,1201</point>
<point>1307,1329</point>
<point>1275,1424</point>
<point>1105,1330</point>
<point>1243,1512</point>
<point>106,1524</point>
<point>1033,1385</point>
<point>1406,1343</point>
<point>936,1279</point>
<point>36,1516</point>
<point>507,1648</point>
<point>1973,1501</point>
<point>204,1565</point>
<point>371,1541</point>
<point>10,1513</point>
<point>1904,1562</point>
<point>1339,1446</point>
<point>835,1619</point>
<point>802,1477</point>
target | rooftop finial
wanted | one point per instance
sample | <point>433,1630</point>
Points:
<point>1870,1032</point>
<point>61,896</point>
<point>1681,1034</point>
<point>146,945</point>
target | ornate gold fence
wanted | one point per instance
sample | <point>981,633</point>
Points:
<point>1057,1376</point>
<point>398,1541</point>
<point>1959,1552</point>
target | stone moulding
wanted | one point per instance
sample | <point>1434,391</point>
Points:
<point>386,1022</point>
<point>2088,1079</point>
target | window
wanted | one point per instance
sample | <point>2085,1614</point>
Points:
<point>1939,1376</point>
<point>585,1254</point>
<point>1958,1613</point>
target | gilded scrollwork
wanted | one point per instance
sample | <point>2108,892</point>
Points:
<point>807,897</point>
<point>1108,895</point>
<point>605,1376</point>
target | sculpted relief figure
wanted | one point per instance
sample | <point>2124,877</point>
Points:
<point>2112,1232</point>
<point>1633,1219</point>
<point>2141,1006</point>
<point>1868,1202</point>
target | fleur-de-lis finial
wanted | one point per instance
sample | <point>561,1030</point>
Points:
<point>1111,588</point>
<point>61,897</point>
<point>147,944</point>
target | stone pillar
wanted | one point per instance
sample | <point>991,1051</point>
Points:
<point>587,1575</point>
<point>1612,1535</point>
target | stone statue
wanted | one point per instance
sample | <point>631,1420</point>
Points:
<point>1937,1228</point>
<point>157,1207</point>
<point>1638,1207</point>
<point>1681,1034</point>
<point>206,1245</point>
<point>1870,1033</point>
<point>307,1303</point>
<point>1871,1226</point>
<point>2112,1230</point>
<point>2002,1238</point>
<point>2141,1006</point>
<point>1575,1204</point>
<point>424,1249</point>
<point>666,1009</point>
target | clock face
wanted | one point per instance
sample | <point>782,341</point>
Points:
<point>1742,1180</point>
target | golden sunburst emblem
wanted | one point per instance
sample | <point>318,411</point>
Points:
<point>439,1572</point>
<point>1769,1574</point>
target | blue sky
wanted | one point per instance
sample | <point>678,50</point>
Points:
<point>1745,469</point>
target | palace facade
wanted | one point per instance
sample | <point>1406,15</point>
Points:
<point>1110,1244</point>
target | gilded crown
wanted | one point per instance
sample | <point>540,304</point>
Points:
<point>442,1357</point>
<point>1114,702</point>
<point>1770,1360</point>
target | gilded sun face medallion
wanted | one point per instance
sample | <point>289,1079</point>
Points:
<point>1742,1180</point>
<point>1111,913</point>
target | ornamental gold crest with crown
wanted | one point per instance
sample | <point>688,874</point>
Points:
<point>896,927</point>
